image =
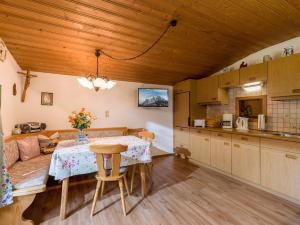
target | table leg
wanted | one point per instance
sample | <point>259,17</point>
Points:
<point>143,179</point>
<point>64,198</point>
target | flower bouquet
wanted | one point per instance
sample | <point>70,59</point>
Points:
<point>81,120</point>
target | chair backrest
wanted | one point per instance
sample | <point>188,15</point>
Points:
<point>146,135</point>
<point>108,154</point>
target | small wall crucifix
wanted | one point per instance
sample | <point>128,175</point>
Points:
<point>28,76</point>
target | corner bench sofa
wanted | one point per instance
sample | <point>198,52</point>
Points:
<point>30,177</point>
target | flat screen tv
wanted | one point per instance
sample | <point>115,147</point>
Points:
<point>153,97</point>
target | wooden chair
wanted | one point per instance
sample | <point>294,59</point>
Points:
<point>108,160</point>
<point>147,136</point>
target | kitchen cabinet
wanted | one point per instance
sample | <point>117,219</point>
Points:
<point>229,80</point>
<point>181,138</point>
<point>208,91</point>
<point>181,109</point>
<point>280,166</point>
<point>268,163</point>
<point>183,86</point>
<point>200,146</point>
<point>221,151</point>
<point>186,109</point>
<point>284,77</point>
<point>253,73</point>
<point>246,158</point>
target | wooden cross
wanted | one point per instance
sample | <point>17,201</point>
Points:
<point>28,76</point>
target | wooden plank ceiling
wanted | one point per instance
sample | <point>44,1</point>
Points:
<point>61,36</point>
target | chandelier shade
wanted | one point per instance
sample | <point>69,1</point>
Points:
<point>97,82</point>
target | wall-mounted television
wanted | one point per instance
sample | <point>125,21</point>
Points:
<point>153,97</point>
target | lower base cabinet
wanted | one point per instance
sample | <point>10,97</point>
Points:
<point>246,161</point>
<point>181,138</point>
<point>272,164</point>
<point>280,171</point>
<point>221,151</point>
<point>200,146</point>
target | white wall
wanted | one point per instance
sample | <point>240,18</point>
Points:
<point>120,101</point>
<point>9,103</point>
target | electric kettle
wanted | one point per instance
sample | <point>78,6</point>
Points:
<point>242,123</point>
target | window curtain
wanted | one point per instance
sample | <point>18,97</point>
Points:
<point>6,196</point>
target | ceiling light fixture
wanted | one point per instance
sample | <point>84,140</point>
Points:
<point>103,82</point>
<point>95,81</point>
<point>253,86</point>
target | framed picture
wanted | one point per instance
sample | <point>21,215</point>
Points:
<point>46,98</point>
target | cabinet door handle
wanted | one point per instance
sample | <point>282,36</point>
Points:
<point>226,143</point>
<point>213,98</point>
<point>236,145</point>
<point>198,131</point>
<point>227,83</point>
<point>289,156</point>
<point>244,139</point>
<point>206,139</point>
<point>252,78</point>
<point>296,91</point>
<point>220,135</point>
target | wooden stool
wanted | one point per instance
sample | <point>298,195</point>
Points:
<point>108,160</point>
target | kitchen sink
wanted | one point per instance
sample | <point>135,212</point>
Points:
<point>283,134</point>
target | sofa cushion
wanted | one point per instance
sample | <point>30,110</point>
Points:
<point>29,173</point>
<point>48,142</point>
<point>29,148</point>
<point>11,153</point>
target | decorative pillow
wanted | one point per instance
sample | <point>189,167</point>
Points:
<point>29,148</point>
<point>47,150</point>
<point>11,153</point>
<point>46,142</point>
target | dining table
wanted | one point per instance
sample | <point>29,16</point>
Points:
<point>70,159</point>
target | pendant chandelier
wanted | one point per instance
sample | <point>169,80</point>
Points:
<point>101,82</point>
<point>95,81</point>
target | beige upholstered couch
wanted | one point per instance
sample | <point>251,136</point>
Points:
<point>30,177</point>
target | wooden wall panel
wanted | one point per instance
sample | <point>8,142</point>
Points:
<point>61,36</point>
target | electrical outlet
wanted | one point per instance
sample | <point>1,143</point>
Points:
<point>106,114</point>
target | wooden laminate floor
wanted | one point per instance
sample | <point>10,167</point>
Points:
<point>182,194</point>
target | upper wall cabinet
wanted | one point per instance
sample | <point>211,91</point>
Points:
<point>208,91</point>
<point>284,77</point>
<point>183,86</point>
<point>230,79</point>
<point>258,72</point>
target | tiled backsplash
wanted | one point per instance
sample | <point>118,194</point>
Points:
<point>283,116</point>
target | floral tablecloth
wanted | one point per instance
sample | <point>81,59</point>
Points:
<point>70,159</point>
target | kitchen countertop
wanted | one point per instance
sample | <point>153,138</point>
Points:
<point>255,133</point>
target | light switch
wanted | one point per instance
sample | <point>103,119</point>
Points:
<point>106,114</point>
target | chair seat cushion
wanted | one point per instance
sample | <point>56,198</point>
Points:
<point>29,173</point>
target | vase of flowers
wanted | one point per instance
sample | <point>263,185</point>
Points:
<point>81,120</point>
